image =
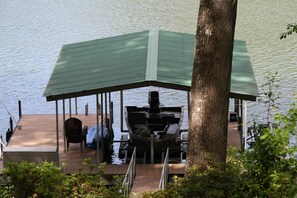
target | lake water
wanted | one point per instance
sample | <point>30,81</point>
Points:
<point>33,32</point>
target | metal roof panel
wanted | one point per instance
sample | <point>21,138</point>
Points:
<point>149,58</point>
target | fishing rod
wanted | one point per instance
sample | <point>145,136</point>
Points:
<point>7,110</point>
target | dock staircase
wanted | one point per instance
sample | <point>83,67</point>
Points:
<point>149,177</point>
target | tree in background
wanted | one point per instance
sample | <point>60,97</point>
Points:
<point>291,28</point>
<point>208,123</point>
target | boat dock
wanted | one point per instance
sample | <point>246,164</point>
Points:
<point>36,132</point>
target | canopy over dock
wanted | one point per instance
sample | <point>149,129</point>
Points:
<point>150,58</point>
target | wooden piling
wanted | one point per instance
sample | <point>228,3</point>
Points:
<point>20,108</point>
<point>87,109</point>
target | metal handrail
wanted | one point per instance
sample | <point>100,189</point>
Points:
<point>130,175</point>
<point>165,172</point>
<point>2,146</point>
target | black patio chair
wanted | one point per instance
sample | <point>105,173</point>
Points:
<point>74,132</point>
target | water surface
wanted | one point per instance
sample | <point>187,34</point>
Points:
<point>33,32</point>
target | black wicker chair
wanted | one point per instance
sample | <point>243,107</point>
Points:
<point>74,132</point>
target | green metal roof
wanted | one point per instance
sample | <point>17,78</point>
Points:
<point>149,58</point>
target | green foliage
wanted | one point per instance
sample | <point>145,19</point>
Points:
<point>6,191</point>
<point>291,28</point>
<point>265,171</point>
<point>209,180</point>
<point>22,177</point>
<point>269,95</point>
<point>47,180</point>
<point>90,185</point>
<point>270,165</point>
<point>269,169</point>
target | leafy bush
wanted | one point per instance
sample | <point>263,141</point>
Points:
<point>208,180</point>
<point>6,191</point>
<point>22,177</point>
<point>91,185</point>
<point>271,164</point>
<point>47,180</point>
<point>269,169</point>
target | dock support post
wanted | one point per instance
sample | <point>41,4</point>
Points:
<point>152,148</point>
<point>236,105</point>
<point>20,108</point>
<point>97,131</point>
<point>239,128</point>
<point>87,109</point>
<point>102,122</point>
<point>1,147</point>
<point>244,126</point>
<point>110,107</point>
<point>75,105</point>
<point>8,135</point>
<point>189,101</point>
<point>57,131</point>
<point>11,125</point>
<point>70,108</point>
<point>111,115</point>
<point>105,105</point>
<point>99,108</point>
<point>121,108</point>
<point>64,135</point>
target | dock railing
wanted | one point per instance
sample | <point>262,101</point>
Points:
<point>130,175</point>
<point>2,146</point>
<point>165,172</point>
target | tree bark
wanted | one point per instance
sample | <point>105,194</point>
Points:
<point>208,122</point>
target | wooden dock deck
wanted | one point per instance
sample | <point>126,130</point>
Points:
<point>40,131</point>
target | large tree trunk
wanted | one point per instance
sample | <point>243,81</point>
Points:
<point>208,122</point>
